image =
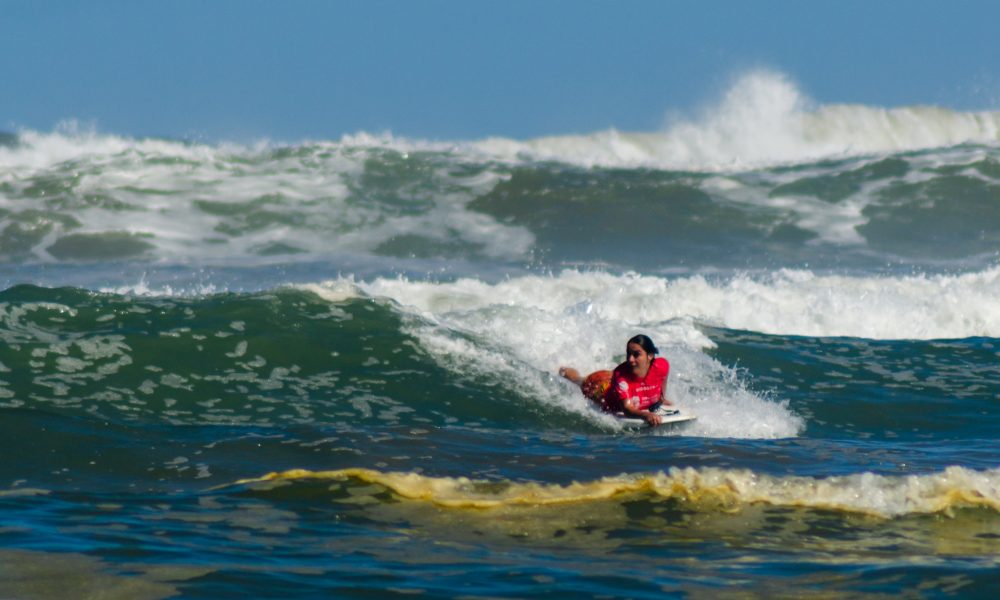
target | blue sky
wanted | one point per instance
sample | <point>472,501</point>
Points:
<point>463,69</point>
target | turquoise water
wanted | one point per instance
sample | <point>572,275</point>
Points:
<point>329,369</point>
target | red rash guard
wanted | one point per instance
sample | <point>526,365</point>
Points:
<point>625,385</point>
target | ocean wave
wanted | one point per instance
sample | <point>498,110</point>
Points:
<point>705,488</point>
<point>523,329</point>
<point>763,120</point>
<point>75,196</point>
<point>783,302</point>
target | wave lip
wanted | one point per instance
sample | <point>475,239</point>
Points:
<point>712,488</point>
<point>786,302</point>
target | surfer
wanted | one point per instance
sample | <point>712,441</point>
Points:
<point>637,387</point>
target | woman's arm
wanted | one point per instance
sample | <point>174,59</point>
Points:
<point>571,374</point>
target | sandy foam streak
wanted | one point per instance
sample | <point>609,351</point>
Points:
<point>705,489</point>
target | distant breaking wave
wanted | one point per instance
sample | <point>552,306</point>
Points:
<point>870,187</point>
<point>763,120</point>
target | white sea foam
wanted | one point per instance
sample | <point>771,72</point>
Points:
<point>227,203</point>
<point>73,141</point>
<point>763,120</point>
<point>875,307</point>
<point>788,302</point>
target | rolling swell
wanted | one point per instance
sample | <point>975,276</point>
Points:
<point>278,357</point>
<point>931,208</point>
<point>72,198</point>
<point>401,353</point>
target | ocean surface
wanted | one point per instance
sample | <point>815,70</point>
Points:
<point>329,368</point>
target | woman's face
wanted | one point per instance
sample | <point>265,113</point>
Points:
<point>638,359</point>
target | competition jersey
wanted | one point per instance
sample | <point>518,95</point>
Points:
<point>625,385</point>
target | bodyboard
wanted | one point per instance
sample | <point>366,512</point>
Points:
<point>670,416</point>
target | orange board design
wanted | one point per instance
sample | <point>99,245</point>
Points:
<point>596,384</point>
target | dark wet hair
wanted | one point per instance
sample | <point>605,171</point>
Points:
<point>646,343</point>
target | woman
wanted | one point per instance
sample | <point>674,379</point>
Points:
<point>636,388</point>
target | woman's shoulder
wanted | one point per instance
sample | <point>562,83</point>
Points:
<point>661,364</point>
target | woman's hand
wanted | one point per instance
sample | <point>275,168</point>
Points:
<point>648,416</point>
<point>571,374</point>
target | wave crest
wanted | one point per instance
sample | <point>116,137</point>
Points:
<point>763,120</point>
